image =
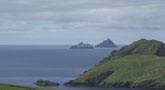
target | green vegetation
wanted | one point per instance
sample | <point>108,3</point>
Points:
<point>136,68</point>
<point>19,87</point>
<point>141,64</point>
<point>144,47</point>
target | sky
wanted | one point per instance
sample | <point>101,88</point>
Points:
<point>67,22</point>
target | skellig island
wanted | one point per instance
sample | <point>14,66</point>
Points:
<point>139,65</point>
<point>107,44</point>
<point>81,45</point>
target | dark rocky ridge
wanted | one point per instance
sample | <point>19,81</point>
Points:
<point>107,44</point>
<point>144,84</point>
<point>90,82</point>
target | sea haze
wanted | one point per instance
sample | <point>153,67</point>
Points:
<point>26,64</point>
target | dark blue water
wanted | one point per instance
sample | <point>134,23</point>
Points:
<point>26,64</point>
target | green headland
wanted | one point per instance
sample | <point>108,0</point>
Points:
<point>138,65</point>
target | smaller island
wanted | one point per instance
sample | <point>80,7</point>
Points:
<point>46,83</point>
<point>81,45</point>
<point>107,44</point>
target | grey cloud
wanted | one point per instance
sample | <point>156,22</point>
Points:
<point>75,14</point>
<point>14,26</point>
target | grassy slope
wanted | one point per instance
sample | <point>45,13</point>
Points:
<point>144,47</point>
<point>19,87</point>
<point>140,61</point>
<point>135,68</point>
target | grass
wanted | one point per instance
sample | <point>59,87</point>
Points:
<point>21,87</point>
<point>144,47</point>
<point>135,68</point>
<point>138,68</point>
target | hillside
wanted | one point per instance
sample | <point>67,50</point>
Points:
<point>19,87</point>
<point>139,65</point>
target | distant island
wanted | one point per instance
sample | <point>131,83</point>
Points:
<point>81,45</point>
<point>107,44</point>
<point>139,65</point>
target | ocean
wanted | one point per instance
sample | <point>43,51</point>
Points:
<point>25,64</point>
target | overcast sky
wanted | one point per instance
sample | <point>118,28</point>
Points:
<point>53,22</point>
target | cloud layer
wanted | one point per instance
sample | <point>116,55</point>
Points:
<point>78,14</point>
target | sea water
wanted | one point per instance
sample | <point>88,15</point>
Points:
<point>26,64</point>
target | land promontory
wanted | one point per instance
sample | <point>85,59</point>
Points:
<point>138,65</point>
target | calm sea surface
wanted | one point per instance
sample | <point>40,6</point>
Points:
<point>26,64</point>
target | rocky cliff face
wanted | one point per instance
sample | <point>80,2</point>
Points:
<point>107,44</point>
<point>138,65</point>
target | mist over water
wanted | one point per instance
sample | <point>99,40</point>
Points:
<point>26,64</point>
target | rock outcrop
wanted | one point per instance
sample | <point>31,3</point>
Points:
<point>46,83</point>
